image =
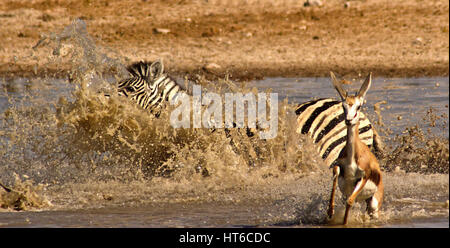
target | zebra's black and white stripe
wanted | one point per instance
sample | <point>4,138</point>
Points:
<point>149,86</point>
<point>323,120</point>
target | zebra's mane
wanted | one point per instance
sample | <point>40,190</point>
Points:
<point>140,69</point>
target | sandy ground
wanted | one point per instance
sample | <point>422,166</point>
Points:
<point>246,38</point>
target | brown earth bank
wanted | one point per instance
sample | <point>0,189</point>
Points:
<point>243,38</point>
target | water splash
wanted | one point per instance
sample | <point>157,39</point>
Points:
<point>75,46</point>
<point>94,151</point>
<point>23,195</point>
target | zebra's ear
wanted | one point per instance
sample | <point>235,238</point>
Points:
<point>156,68</point>
<point>338,86</point>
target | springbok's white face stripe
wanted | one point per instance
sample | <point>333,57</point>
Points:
<point>351,109</point>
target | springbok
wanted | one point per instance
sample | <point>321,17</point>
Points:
<point>358,171</point>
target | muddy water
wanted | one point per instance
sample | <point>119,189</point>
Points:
<point>283,209</point>
<point>72,157</point>
<point>74,168</point>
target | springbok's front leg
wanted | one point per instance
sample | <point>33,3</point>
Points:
<point>333,191</point>
<point>359,187</point>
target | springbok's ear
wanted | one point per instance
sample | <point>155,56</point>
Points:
<point>338,86</point>
<point>365,86</point>
<point>157,68</point>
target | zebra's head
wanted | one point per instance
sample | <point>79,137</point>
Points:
<point>145,75</point>
<point>352,103</point>
<point>149,86</point>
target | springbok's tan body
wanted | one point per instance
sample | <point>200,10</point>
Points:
<point>358,173</point>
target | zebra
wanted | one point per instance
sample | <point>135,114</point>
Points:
<point>323,120</point>
<point>149,86</point>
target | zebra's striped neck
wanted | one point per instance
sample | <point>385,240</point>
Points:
<point>161,81</point>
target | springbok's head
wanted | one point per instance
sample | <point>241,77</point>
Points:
<point>352,103</point>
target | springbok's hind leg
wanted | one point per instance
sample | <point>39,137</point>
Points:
<point>373,206</point>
